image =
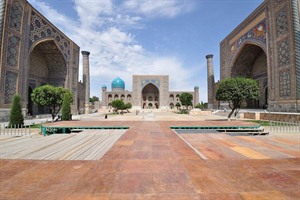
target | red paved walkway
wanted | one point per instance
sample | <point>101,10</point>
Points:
<point>152,162</point>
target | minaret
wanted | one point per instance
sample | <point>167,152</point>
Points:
<point>210,81</point>
<point>104,90</point>
<point>196,96</point>
<point>86,79</point>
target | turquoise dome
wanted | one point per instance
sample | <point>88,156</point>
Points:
<point>104,86</point>
<point>118,83</point>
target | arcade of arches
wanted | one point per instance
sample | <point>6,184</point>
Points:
<point>149,92</point>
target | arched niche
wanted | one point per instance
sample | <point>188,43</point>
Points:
<point>251,62</point>
<point>47,65</point>
<point>150,94</point>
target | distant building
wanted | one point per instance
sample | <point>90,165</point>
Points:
<point>148,92</point>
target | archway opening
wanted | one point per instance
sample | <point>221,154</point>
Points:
<point>251,62</point>
<point>150,94</point>
<point>47,65</point>
<point>29,102</point>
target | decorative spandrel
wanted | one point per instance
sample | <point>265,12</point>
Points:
<point>285,84</point>
<point>15,18</point>
<point>40,29</point>
<point>257,34</point>
<point>13,51</point>
<point>153,81</point>
<point>10,86</point>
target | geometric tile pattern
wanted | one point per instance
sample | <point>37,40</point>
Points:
<point>278,2</point>
<point>10,86</point>
<point>40,29</point>
<point>75,76</point>
<point>281,22</point>
<point>16,11</point>
<point>283,53</point>
<point>284,83</point>
<point>13,51</point>
<point>76,63</point>
<point>155,82</point>
<point>2,9</point>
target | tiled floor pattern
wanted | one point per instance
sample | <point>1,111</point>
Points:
<point>151,162</point>
<point>224,146</point>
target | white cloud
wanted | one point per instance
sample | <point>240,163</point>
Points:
<point>166,8</point>
<point>115,51</point>
<point>90,12</point>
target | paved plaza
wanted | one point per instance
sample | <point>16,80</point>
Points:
<point>151,161</point>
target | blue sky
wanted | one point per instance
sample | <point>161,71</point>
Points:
<point>132,37</point>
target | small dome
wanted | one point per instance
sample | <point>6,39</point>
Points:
<point>104,86</point>
<point>118,83</point>
<point>196,87</point>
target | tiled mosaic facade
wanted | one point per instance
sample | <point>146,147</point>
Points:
<point>10,86</point>
<point>257,34</point>
<point>285,83</point>
<point>16,12</point>
<point>283,53</point>
<point>273,28</point>
<point>39,29</point>
<point>281,22</point>
<point>13,51</point>
<point>33,53</point>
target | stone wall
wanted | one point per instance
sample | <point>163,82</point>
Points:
<point>283,117</point>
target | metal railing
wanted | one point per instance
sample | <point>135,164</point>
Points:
<point>16,130</point>
<point>284,127</point>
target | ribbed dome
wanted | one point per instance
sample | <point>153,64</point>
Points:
<point>104,86</point>
<point>118,83</point>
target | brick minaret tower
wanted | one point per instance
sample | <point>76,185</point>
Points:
<point>86,79</point>
<point>210,81</point>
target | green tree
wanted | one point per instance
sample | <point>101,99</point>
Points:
<point>118,104</point>
<point>201,105</point>
<point>178,105</point>
<point>93,99</point>
<point>49,96</point>
<point>186,99</point>
<point>198,106</point>
<point>236,91</point>
<point>16,118</point>
<point>128,106</point>
<point>66,107</point>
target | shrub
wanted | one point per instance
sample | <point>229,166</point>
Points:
<point>16,118</point>
<point>66,107</point>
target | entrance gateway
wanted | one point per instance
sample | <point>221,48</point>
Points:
<point>148,92</point>
<point>264,47</point>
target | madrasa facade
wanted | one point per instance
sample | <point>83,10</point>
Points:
<point>34,52</point>
<point>264,47</point>
<point>148,92</point>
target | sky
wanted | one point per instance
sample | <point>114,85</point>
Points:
<point>148,37</point>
